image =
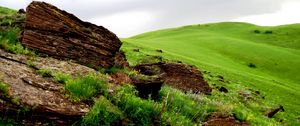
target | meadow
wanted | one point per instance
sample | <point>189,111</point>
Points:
<point>266,59</point>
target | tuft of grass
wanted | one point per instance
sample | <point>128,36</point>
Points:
<point>3,90</point>
<point>45,72</point>
<point>102,113</point>
<point>240,114</point>
<point>10,43</point>
<point>141,112</point>
<point>175,119</point>
<point>86,87</point>
<point>62,77</point>
<point>191,106</point>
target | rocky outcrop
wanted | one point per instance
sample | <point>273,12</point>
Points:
<point>180,76</point>
<point>30,98</point>
<point>61,35</point>
<point>217,119</point>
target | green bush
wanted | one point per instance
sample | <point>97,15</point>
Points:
<point>268,32</point>
<point>86,87</point>
<point>257,31</point>
<point>102,113</point>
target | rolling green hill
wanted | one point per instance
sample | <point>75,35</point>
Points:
<point>4,10</point>
<point>262,58</point>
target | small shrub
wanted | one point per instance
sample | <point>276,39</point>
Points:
<point>102,113</point>
<point>84,88</point>
<point>268,32</point>
<point>257,31</point>
<point>45,72</point>
<point>252,65</point>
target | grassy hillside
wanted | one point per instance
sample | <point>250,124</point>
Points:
<point>259,66</point>
<point>4,11</point>
<point>261,58</point>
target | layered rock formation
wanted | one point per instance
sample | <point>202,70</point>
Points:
<point>59,34</point>
<point>180,76</point>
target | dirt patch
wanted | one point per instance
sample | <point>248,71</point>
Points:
<point>184,77</point>
<point>120,78</point>
<point>218,120</point>
<point>120,60</point>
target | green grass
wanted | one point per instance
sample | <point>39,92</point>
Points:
<point>9,32</point>
<point>45,72</point>
<point>5,11</point>
<point>79,88</point>
<point>86,87</point>
<point>268,62</point>
<point>3,90</point>
<point>103,112</point>
<point>140,112</point>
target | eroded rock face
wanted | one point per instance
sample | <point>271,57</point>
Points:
<point>39,99</point>
<point>180,76</point>
<point>61,35</point>
<point>217,119</point>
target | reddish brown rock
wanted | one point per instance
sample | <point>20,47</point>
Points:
<point>61,35</point>
<point>217,119</point>
<point>180,76</point>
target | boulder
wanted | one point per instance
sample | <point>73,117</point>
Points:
<point>181,76</point>
<point>62,35</point>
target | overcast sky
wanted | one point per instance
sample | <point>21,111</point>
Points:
<point>130,17</point>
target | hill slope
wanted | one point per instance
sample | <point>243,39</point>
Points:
<point>264,58</point>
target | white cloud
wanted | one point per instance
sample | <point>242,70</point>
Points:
<point>126,23</point>
<point>288,14</point>
<point>131,17</point>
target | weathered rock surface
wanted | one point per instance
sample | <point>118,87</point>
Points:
<point>39,99</point>
<point>180,76</point>
<point>217,119</point>
<point>61,35</point>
